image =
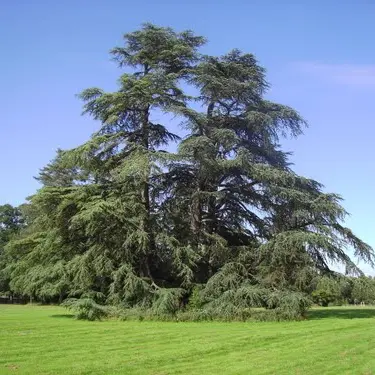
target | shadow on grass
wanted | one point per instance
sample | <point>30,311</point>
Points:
<point>64,316</point>
<point>314,314</point>
<point>341,313</point>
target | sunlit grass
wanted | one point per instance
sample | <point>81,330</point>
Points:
<point>46,340</point>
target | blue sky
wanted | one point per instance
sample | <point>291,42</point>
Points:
<point>319,56</point>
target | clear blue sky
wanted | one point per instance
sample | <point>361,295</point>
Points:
<point>319,56</point>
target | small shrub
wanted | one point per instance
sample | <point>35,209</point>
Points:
<point>196,300</point>
<point>293,306</point>
<point>86,309</point>
<point>198,315</point>
<point>323,297</point>
<point>167,301</point>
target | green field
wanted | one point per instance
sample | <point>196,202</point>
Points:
<point>46,340</point>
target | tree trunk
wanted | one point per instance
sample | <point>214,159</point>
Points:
<point>211,204</point>
<point>147,227</point>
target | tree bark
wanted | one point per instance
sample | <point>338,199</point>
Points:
<point>147,225</point>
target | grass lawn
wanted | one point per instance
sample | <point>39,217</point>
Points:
<point>46,340</point>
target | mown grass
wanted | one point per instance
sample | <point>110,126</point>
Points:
<point>46,340</point>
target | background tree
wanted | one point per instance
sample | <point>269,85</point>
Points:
<point>327,291</point>
<point>11,222</point>
<point>363,290</point>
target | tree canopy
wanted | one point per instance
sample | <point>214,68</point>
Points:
<point>222,224</point>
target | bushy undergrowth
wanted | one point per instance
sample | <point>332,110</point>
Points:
<point>86,309</point>
<point>242,303</point>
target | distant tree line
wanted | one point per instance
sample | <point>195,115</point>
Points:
<point>344,290</point>
<point>218,227</point>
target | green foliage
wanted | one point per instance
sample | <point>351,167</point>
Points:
<point>122,221</point>
<point>363,290</point>
<point>168,301</point>
<point>12,221</point>
<point>196,298</point>
<point>339,289</point>
<point>327,291</point>
<point>86,309</point>
<point>323,297</point>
